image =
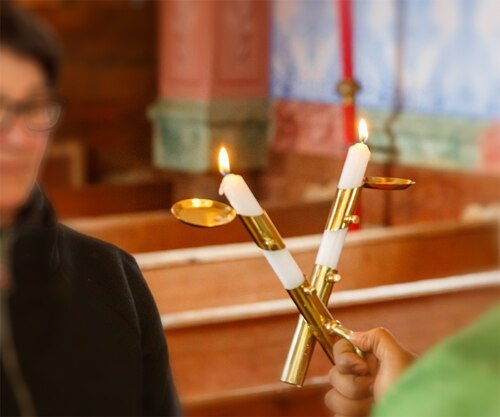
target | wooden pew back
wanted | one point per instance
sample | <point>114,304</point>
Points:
<point>159,230</point>
<point>198,278</point>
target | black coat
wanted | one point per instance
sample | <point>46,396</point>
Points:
<point>87,332</point>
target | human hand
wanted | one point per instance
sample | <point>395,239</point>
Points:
<point>358,383</point>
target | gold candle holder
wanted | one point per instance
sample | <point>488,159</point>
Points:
<point>263,232</point>
<point>303,342</point>
<point>316,321</point>
<point>322,325</point>
<point>323,278</point>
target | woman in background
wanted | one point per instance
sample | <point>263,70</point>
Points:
<point>80,332</point>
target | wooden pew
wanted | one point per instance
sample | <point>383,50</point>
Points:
<point>234,274</point>
<point>99,200</point>
<point>159,230</point>
<point>233,367</point>
<point>438,194</point>
<point>229,322</point>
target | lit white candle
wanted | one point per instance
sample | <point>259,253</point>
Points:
<point>352,176</point>
<point>244,202</point>
<point>236,189</point>
<point>356,161</point>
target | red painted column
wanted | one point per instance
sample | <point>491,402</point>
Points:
<point>346,49</point>
<point>213,49</point>
<point>213,84</point>
<point>348,86</point>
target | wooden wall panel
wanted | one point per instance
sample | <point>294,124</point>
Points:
<point>108,76</point>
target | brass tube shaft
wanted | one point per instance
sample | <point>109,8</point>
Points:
<point>323,326</point>
<point>263,232</point>
<point>303,342</point>
<point>299,355</point>
<point>316,314</point>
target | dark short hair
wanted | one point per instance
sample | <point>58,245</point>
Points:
<point>25,34</point>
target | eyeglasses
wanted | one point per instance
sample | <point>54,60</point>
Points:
<point>38,115</point>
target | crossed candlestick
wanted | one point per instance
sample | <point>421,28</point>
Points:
<point>316,323</point>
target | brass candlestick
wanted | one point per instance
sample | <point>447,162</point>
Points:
<point>323,277</point>
<point>316,321</point>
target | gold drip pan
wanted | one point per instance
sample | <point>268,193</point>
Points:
<point>202,212</point>
<point>387,183</point>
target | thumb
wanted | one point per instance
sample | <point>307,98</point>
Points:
<point>378,341</point>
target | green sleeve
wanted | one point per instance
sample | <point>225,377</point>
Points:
<point>458,378</point>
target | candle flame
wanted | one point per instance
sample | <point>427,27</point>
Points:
<point>362,130</point>
<point>224,167</point>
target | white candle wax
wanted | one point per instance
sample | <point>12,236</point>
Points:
<point>244,202</point>
<point>352,176</point>
<point>239,195</point>
<point>285,267</point>
<point>330,247</point>
<point>355,165</point>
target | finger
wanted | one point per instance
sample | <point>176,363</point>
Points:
<point>346,360</point>
<point>379,341</point>
<point>373,364</point>
<point>351,386</point>
<point>339,404</point>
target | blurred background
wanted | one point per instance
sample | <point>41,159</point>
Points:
<point>154,88</point>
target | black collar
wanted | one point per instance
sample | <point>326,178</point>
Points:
<point>35,239</point>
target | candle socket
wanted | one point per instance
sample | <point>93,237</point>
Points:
<point>341,216</point>
<point>324,328</point>
<point>303,342</point>
<point>263,231</point>
<point>342,212</point>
